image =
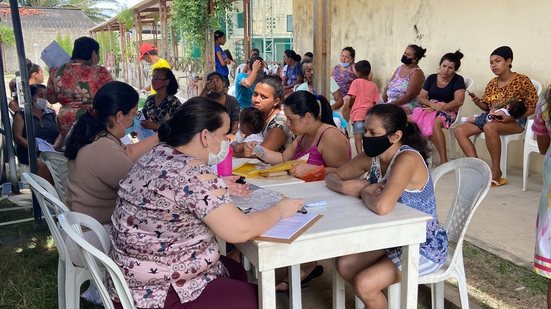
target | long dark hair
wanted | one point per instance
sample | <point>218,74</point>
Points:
<point>113,97</point>
<point>83,48</point>
<point>394,118</point>
<point>302,102</point>
<point>194,116</point>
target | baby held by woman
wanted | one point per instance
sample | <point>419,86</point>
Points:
<point>513,107</point>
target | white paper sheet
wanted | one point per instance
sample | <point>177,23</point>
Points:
<point>54,55</point>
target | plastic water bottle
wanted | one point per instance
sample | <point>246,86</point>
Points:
<point>224,168</point>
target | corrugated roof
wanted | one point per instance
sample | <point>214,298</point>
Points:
<point>36,17</point>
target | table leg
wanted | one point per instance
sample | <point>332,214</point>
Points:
<point>338,289</point>
<point>295,300</point>
<point>410,274</point>
<point>266,289</point>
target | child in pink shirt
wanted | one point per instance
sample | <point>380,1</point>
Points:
<point>362,95</point>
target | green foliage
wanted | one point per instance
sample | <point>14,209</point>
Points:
<point>108,41</point>
<point>6,35</point>
<point>65,43</point>
<point>192,19</point>
<point>127,18</point>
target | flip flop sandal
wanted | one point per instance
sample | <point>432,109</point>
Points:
<point>499,183</point>
<point>316,272</point>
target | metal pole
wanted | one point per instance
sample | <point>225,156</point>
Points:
<point>7,130</point>
<point>18,33</point>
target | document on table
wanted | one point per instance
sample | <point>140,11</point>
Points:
<point>287,230</point>
<point>260,198</point>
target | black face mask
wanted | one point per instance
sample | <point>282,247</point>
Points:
<point>375,145</point>
<point>406,60</point>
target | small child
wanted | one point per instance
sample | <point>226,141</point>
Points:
<point>513,107</point>
<point>362,96</point>
<point>251,123</point>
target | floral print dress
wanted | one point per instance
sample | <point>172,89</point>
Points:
<point>159,237</point>
<point>74,86</point>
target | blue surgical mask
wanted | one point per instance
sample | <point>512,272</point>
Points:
<point>345,64</point>
<point>132,128</point>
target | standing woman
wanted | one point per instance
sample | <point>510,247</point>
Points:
<point>343,73</point>
<point>268,97</point>
<point>221,60</point>
<point>75,83</point>
<point>506,85</point>
<point>444,92</point>
<point>293,73</point>
<point>163,104</point>
<point>406,82</point>
<point>542,255</point>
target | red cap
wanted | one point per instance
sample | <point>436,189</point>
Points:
<point>145,48</point>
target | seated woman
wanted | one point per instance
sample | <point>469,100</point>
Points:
<point>308,72</point>
<point>506,85</point>
<point>268,97</point>
<point>160,106</point>
<point>394,160</point>
<point>97,158</point>
<point>45,127</point>
<point>444,92</point>
<point>406,82</point>
<point>170,208</point>
<point>311,120</point>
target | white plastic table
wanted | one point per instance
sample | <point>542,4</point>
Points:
<point>346,227</point>
<point>266,182</point>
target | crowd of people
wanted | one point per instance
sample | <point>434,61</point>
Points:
<point>163,204</point>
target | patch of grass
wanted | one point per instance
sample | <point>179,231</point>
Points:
<point>29,267</point>
<point>491,278</point>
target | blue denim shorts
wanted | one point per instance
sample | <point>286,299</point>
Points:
<point>358,127</point>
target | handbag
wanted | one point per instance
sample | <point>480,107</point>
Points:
<point>424,120</point>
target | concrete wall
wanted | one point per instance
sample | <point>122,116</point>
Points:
<point>380,30</point>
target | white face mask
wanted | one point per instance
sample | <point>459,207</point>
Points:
<point>222,153</point>
<point>41,103</point>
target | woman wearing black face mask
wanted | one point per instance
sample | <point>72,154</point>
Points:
<point>406,82</point>
<point>394,160</point>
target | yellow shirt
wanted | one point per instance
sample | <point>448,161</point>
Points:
<point>161,63</point>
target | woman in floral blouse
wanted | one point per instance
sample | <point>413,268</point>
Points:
<point>170,207</point>
<point>160,106</point>
<point>75,83</point>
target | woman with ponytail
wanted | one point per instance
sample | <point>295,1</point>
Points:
<point>97,158</point>
<point>310,119</point>
<point>394,163</point>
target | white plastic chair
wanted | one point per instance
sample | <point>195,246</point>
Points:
<point>58,167</point>
<point>506,139</point>
<point>72,223</point>
<point>69,276</point>
<point>530,145</point>
<point>473,178</point>
<point>451,129</point>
